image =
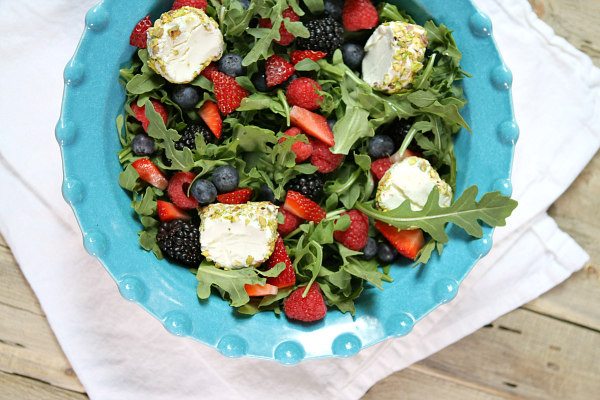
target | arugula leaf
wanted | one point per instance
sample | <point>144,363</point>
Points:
<point>466,212</point>
<point>147,204</point>
<point>262,48</point>
<point>351,127</point>
<point>230,281</point>
<point>315,6</point>
<point>128,179</point>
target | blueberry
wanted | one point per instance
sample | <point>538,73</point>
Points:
<point>331,122</point>
<point>225,178</point>
<point>186,96</point>
<point>266,194</point>
<point>333,8</point>
<point>204,191</point>
<point>386,253</point>
<point>245,4</point>
<point>259,80</point>
<point>143,145</point>
<point>370,249</point>
<point>353,55</point>
<point>381,146</point>
<point>231,64</point>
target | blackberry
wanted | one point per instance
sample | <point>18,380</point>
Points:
<point>325,35</point>
<point>310,186</point>
<point>188,136</point>
<point>179,240</point>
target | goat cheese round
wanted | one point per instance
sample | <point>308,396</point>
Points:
<point>182,43</point>
<point>412,179</point>
<point>393,55</point>
<point>238,235</point>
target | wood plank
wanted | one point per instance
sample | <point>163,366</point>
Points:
<point>14,289</point>
<point>14,387</point>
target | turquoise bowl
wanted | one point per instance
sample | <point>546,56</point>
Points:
<point>88,139</point>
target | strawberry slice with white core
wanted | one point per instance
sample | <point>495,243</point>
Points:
<point>312,124</point>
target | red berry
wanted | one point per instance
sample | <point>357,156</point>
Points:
<point>209,112</point>
<point>356,235</point>
<point>140,113</point>
<point>285,37</point>
<point>299,55</point>
<point>277,70</point>
<point>150,173</point>
<point>258,290</point>
<point>169,211</point>
<point>228,92</point>
<point>307,309</point>
<point>359,14</point>
<point>304,92</point>
<point>303,207</point>
<point>138,36</point>
<point>290,222</point>
<point>380,167</point>
<point>312,124</point>
<point>287,277</point>
<point>324,159</point>
<point>178,187</point>
<point>302,150</point>
<point>209,71</point>
<point>238,196</point>
<point>201,4</point>
<point>408,242</point>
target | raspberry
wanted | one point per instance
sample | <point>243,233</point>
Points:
<point>359,14</point>
<point>302,150</point>
<point>307,309</point>
<point>285,37</point>
<point>201,4</point>
<point>356,235</point>
<point>304,92</point>
<point>290,222</point>
<point>380,167</point>
<point>324,159</point>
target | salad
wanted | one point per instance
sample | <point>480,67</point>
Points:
<point>290,153</point>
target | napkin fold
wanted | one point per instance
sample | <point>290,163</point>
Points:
<point>121,352</point>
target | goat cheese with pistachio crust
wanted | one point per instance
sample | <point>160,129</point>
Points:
<point>238,235</point>
<point>182,43</point>
<point>411,179</point>
<point>393,55</point>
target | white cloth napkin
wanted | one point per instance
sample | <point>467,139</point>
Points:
<point>121,352</point>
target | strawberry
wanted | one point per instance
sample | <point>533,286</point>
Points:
<point>178,187</point>
<point>299,55</point>
<point>307,309</point>
<point>303,207</point>
<point>304,92</point>
<point>302,150</point>
<point>140,112</point>
<point>238,196</point>
<point>290,222</point>
<point>380,167</point>
<point>277,70</point>
<point>201,4</point>
<point>150,173</point>
<point>408,242</point>
<point>209,71</point>
<point>258,290</point>
<point>359,14</point>
<point>285,37</point>
<point>356,235</point>
<point>323,158</point>
<point>169,211</point>
<point>287,277</point>
<point>312,124</point>
<point>138,36</point>
<point>228,92</point>
<point>209,112</point>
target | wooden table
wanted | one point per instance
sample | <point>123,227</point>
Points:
<point>547,349</point>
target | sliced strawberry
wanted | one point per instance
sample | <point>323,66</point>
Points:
<point>140,112</point>
<point>209,112</point>
<point>285,37</point>
<point>303,207</point>
<point>312,124</point>
<point>359,14</point>
<point>287,277</point>
<point>150,173</point>
<point>277,70</point>
<point>178,188</point>
<point>307,309</point>
<point>290,222</point>
<point>356,235</point>
<point>323,158</point>
<point>201,4</point>
<point>299,55</point>
<point>380,167</point>
<point>302,150</point>
<point>228,92</point>
<point>169,211</point>
<point>408,242</point>
<point>257,290</point>
<point>209,71</point>
<point>238,196</point>
<point>138,36</point>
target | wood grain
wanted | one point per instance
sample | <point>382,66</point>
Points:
<point>14,387</point>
